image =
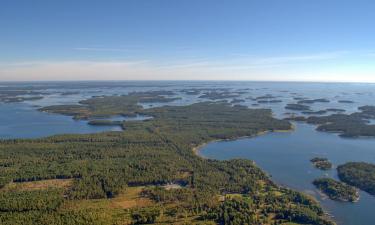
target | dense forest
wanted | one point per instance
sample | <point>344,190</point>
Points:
<point>352,125</point>
<point>321,163</point>
<point>336,190</point>
<point>358,174</point>
<point>348,125</point>
<point>123,177</point>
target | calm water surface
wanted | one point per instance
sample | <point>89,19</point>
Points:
<point>19,120</point>
<point>285,156</point>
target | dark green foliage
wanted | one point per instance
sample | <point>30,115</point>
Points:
<point>106,106</point>
<point>81,217</point>
<point>358,174</point>
<point>320,112</point>
<point>18,95</point>
<point>335,110</point>
<point>267,97</point>
<point>302,215</point>
<point>297,107</point>
<point>20,201</point>
<point>233,212</point>
<point>216,95</point>
<point>352,125</point>
<point>145,216</point>
<point>311,101</point>
<point>321,163</point>
<point>152,152</point>
<point>345,101</point>
<point>336,190</point>
<point>270,101</point>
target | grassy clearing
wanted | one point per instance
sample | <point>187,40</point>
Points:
<point>129,198</point>
<point>38,185</point>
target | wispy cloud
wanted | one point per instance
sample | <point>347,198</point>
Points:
<point>103,49</point>
<point>73,70</point>
<point>244,61</point>
<point>302,58</point>
<point>238,67</point>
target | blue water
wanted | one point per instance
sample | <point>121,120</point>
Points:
<point>19,120</point>
<point>285,156</point>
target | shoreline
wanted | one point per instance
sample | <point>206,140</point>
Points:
<point>196,150</point>
<point>327,212</point>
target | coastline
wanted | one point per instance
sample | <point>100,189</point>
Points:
<point>196,149</point>
<point>327,213</point>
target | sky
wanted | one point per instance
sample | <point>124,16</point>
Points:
<point>268,40</point>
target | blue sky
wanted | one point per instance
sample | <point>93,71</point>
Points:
<point>307,40</point>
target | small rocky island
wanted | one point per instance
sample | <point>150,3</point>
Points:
<point>321,163</point>
<point>337,190</point>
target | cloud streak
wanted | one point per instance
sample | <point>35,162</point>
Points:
<point>243,61</point>
<point>103,49</point>
<point>241,67</point>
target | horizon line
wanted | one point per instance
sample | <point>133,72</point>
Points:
<point>165,80</point>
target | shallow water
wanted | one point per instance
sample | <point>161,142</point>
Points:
<point>285,156</point>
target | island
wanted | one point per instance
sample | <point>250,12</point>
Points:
<point>270,101</point>
<point>348,125</point>
<point>266,97</point>
<point>319,112</point>
<point>11,95</point>
<point>336,190</point>
<point>335,110</point>
<point>106,106</point>
<point>217,95</point>
<point>321,163</point>
<point>345,101</point>
<point>120,177</point>
<point>297,107</point>
<point>358,174</point>
<point>296,118</point>
<point>311,101</point>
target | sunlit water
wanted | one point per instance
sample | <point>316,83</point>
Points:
<point>22,121</point>
<point>285,156</point>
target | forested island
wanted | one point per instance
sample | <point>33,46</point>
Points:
<point>216,95</point>
<point>347,125</point>
<point>321,163</point>
<point>15,95</point>
<point>119,177</point>
<point>297,107</point>
<point>311,101</point>
<point>336,190</point>
<point>358,174</point>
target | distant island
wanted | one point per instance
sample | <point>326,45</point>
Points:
<point>311,101</point>
<point>321,163</point>
<point>297,107</point>
<point>347,125</point>
<point>120,177</point>
<point>345,101</point>
<point>336,190</point>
